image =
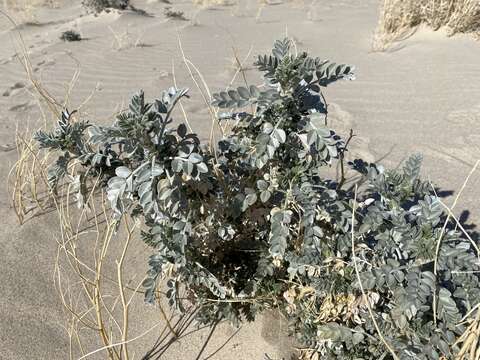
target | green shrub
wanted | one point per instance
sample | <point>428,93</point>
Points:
<point>174,14</point>
<point>101,5</point>
<point>70,35</point>
<point>255,222</point>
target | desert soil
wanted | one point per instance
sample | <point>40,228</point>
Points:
<point>422,95</point>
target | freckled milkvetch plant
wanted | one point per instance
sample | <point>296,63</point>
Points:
<point>255,222</point>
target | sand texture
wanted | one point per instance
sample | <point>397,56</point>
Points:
<point>422,95</point>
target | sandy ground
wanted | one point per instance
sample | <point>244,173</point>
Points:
<point>423,95</point>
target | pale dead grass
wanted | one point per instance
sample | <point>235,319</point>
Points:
<point>399,18</point>
<point>24,11</point>
<point>127,39</point>
<point>95,288</point>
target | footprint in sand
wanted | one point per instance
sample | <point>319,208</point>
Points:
<point>474,139</point>
<point>15,88</point>
<point>7,147</point>
<point>21,107</point>
<point>468,148</point>
<point>466,152</point>
<point>44,63</point>
<point>340,120</point>
<point>164,74</point>
<point>274,332</point>
<point>50,62</point>
<point>465,117</point>
<point>196,107</point>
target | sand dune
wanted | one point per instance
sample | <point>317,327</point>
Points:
<point>421,96</point>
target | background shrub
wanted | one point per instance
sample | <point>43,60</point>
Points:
<point>101,5</point>
<point>70,35</point>
<point>399,17</point>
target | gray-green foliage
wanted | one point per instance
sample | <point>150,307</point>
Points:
<point>256,223</point>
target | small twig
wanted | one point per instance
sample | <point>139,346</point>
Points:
<point>169,325</point>
<point>121,288</point>
<point>342,157</point>
<point>223,345</point>
<point>204,92</point>
<point>326,106</point>
<point>180,101</point>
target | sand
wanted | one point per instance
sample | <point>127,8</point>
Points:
<point>422,95</point>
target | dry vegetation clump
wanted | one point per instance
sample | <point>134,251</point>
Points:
<point>174,14</point>
<point>71,35</point>
<point>24,11</point>
<point>101,5</point>
<point>399,18</point>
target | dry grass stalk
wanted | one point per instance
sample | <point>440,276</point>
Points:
<point>26,177</point>
<point>470,349</point>
<point>93,299</point>
<point>127,40</point>
<point>180,103</point>
<point>202,86</point>
<point>399,18</point>
<point>239,68</point>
